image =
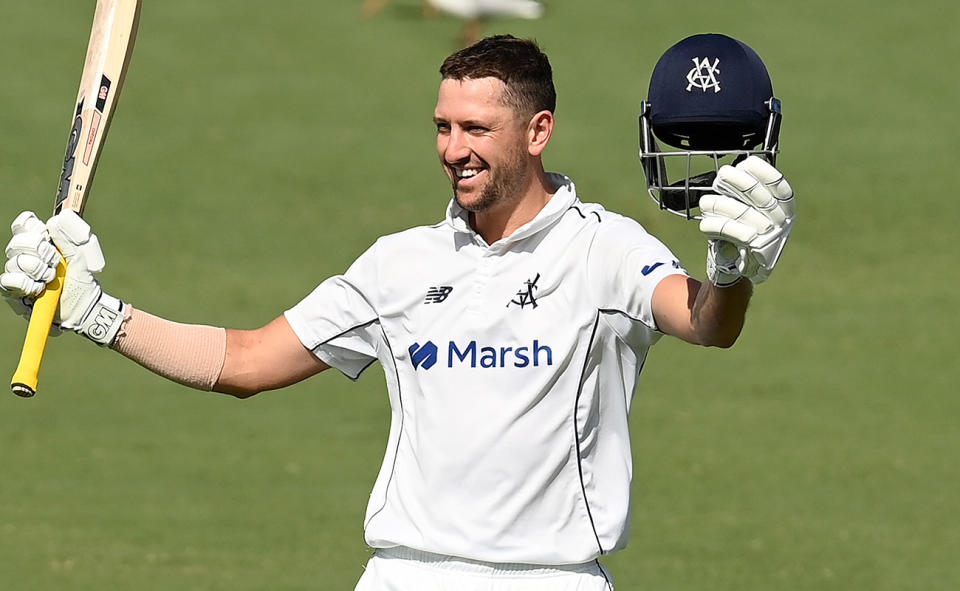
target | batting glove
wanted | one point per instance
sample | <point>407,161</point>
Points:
<point>32,258</point>
<point>747,222</point>
<point>31,263</point>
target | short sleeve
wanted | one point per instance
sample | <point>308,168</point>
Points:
<point>625,266</point>
<point>338,320</point>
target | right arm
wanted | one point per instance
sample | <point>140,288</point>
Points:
<point>236,362</point>
<point>267,358</point>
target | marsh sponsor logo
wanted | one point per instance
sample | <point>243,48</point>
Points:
<point>424,356</point>
<point>474,355</point>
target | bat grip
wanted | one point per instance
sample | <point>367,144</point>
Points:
<point>24,382</point>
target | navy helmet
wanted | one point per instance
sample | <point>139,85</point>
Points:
<point>711,100</point>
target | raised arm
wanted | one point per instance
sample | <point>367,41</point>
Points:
<point>746,223</point>
<point>701,313</point>
<point>237,362</point>
<point>265,359</point>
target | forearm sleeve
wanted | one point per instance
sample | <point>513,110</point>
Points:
<point>188,354</point>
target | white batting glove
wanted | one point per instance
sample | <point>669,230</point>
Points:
<point>31,263</point>
<point>84,307</point>
<point>748,222</point>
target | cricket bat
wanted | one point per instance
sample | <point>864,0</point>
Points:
<point>108,54</point>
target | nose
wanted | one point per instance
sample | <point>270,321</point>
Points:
<point>454,146</point>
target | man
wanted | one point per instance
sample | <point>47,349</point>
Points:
<point>511,335</point>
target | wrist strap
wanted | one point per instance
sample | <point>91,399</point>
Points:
<point>722,271</point>
<point>103,321</point>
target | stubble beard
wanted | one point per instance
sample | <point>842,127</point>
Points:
<point>502,187</point>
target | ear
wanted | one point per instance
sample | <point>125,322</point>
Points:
<point>539,131</point>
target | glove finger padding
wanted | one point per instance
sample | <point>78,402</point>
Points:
<point>31,258</point>
<point>33,243</point>
<point>32,266</point>
<point>73,238</point>
<point>725,218</point>
<point>756,182</point>
<point>754,210</point>
<point>17,285</point>
<point>27,221</point>
<point>774,182</point>
<point>30,238</point>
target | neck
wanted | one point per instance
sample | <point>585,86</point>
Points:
<point>503,219</point>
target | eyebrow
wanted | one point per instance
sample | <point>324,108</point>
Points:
<point>464,123</point>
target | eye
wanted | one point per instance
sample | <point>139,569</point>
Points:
<point>443,127</point>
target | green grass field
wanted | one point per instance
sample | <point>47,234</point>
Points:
<point>259,147</point>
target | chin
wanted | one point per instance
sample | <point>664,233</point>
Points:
<point>468,203</point>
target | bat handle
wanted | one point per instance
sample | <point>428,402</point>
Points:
<point>24,382</point>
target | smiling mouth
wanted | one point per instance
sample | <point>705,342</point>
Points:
<point>462,174</point>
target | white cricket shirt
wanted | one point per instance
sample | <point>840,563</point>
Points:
<point>510,369</point>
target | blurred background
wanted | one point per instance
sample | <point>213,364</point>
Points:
<point>260,147</point>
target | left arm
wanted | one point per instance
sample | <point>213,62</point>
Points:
<point>701,313</point>
<point>747,224</point>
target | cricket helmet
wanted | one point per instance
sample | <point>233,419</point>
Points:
<point>711,100</point>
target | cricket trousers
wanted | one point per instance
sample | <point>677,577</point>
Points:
<point>403,569</point>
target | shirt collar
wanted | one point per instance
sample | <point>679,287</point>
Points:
<point>564,197</point>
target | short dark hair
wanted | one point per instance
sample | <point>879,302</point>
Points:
<point>519,63</point>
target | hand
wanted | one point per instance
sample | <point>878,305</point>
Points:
<point>84,307</point>
<point>31,263</point>
<point>748,222</point>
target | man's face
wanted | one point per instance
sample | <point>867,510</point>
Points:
<point>481,143</point>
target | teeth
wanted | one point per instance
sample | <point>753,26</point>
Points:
<point>466,173</point>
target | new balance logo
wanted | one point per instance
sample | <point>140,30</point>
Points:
<point>435,295</point>
<point>423,356</point>
<point>703,75</point>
